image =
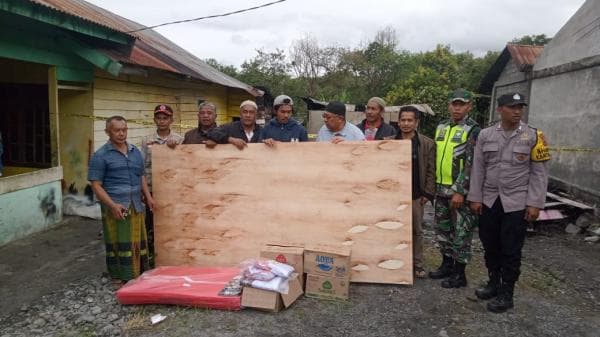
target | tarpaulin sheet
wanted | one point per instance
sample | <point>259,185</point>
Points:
<point>193,286</point>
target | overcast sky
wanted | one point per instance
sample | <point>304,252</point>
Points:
<point>473,25</point>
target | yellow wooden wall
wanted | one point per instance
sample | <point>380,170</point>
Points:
<point>134,97</point>
<point>76,135</point>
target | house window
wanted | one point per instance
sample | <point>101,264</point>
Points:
<point>24,124</point>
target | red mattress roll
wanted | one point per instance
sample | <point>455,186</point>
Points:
<point>191,286</point>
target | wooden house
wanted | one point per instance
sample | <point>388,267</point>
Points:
<point>66,65</point>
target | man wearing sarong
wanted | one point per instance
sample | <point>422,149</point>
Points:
<point>116,173</point>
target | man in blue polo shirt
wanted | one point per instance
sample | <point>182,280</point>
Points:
<point>336,128</point>
<point>116,173</point>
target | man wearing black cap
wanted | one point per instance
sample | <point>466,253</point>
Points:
<point>163,118</point>
<point>336,128</point>
<point>455,142</point>
<point>509,178</point>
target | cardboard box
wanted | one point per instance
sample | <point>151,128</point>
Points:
<point>288,254</point>
<point>271,300</point>
<point>327,287</point>
<point>327,260</point>
<point>261,299</point>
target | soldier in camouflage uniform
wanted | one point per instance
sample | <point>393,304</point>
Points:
<point>455,139</point>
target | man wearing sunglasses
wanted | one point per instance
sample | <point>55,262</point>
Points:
<point>336,128</point>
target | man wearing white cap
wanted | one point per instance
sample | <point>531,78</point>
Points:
<point>238,133</point>
<point>283,127</point>
<point>373,126</point>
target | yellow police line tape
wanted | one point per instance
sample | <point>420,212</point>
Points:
<point>144,122</point>
<point>573,149</point>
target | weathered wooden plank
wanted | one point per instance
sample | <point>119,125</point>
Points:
<point>164,98</point>
<point>217,207</point>
<point>157,85</point>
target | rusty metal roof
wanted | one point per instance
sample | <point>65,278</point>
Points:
<point>524,55</point>
<point>150,49</point>
<point>88,12</point>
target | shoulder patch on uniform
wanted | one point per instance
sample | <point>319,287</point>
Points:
<point>540,151</point>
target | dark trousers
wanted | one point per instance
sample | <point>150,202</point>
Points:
<point>502,235</point>
<point>150,232</point>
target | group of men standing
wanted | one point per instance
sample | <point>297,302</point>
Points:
<point>500,171</point>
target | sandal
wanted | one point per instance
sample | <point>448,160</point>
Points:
<point>420,272</point>
<point>117,284</point>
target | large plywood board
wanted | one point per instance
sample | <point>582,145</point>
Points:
<point>217,207</point>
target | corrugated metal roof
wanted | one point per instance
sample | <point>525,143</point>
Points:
<point>88,12</point>
<point>150,49</point>
<point>524,55</point>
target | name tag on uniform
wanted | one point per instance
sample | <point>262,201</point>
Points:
<point>442,134</point>
<point>457,138</point>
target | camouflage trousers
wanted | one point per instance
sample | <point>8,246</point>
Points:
<point>454,229</point>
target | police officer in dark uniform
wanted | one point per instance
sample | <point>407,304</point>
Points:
<point>509,178</point>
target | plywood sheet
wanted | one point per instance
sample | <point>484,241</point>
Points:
<point>217,207</point>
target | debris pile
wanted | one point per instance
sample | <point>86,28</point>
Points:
<point>577,217</point>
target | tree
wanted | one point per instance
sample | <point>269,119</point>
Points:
<point>308,62</point>
<point>438,72</point>
<point>226,69</point>
<point>371,70</point>
<point>387,37</point>
<point>378,68</point>
<point>265,67</point>
<point>532,40</point>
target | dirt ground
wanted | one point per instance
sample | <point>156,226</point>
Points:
<point>558,295</point>
<point>44,262</point>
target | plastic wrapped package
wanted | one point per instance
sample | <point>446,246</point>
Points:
<point>280,269</point>
<point>266,275</point>
<point>278,284</point>
<point>265,270</point>
<point>253,273</point>
<point>192,286</point>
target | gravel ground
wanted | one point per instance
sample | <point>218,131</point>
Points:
<point>558,295</point>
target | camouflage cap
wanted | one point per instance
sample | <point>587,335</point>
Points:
<point>460,95</point>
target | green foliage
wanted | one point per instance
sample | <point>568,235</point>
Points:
<point>267,68</point>
<point>438,72</point>
<point>378,68</point>
<point>226,69</point>
<point>532,40</point>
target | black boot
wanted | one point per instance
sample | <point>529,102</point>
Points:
<point>490,290</point>
<point>445,268</point>
<point>504,301</point>
<point>458,278</point>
